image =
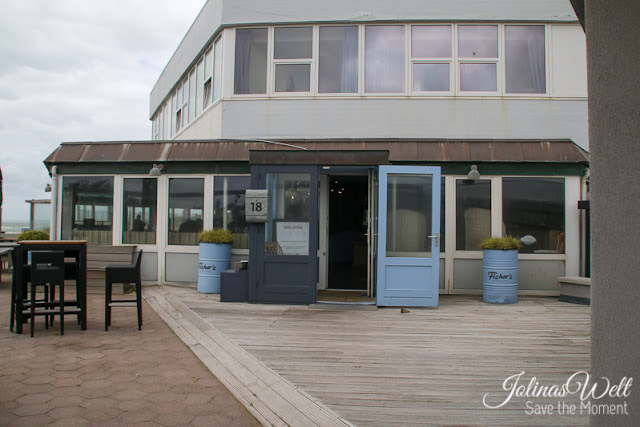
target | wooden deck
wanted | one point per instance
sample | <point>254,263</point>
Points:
<point>385,367</point>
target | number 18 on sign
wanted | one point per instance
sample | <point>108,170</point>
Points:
<point>256,206</point>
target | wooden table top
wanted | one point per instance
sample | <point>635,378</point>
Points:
<point>53,242</point>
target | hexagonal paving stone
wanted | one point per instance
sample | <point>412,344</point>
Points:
<point>34,398</point>
<point>173,419</point>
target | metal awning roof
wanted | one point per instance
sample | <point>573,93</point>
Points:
<point>400,150</point>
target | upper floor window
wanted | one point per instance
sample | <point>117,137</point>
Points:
<point>384,58</point>
<point>431,55</point>
<point>525,63</point>
<point>438,59</point>
<point>478,56</point>
<point>250,74</point>
<point>292,55</point>
<point>338,60</point>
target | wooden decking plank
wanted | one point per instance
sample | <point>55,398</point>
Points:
<point>277,400</point>
<point>429,366</point>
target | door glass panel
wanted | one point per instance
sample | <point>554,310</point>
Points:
<point>287,232</point>
<point>409,215</point>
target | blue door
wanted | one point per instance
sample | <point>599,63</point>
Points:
<point>408,236</point>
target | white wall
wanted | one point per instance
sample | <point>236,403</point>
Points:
<point>500,118</point>
<point>281,11</point>
<point>568,57</point>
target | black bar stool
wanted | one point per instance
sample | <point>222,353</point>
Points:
<point>47,270</point>
<point>125,273</point>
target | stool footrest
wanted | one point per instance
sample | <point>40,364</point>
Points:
<point>123,304</point>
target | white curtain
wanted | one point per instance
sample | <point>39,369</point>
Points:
<point>384,59</point>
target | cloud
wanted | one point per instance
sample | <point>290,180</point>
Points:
<point>74,70</point>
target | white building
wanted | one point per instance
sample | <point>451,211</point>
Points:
<point>308,100</point>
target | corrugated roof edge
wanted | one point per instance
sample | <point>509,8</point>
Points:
<point>401,149</point>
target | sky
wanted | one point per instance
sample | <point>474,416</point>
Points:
<point>77,70</point>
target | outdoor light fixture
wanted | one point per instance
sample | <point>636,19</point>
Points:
<point>155,170</point>
<point>47,188</point>
<point>473,173</point>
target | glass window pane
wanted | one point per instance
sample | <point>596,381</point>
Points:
<point>139,201</point>
<point>431,77</point>
<point>41,216</point>
<point>250,74</point>
<point>431,41</point>
<point>293,77</point>
<point>199,87</point>
<point>228,207</point>
<point>192,95</point>
<point>217,70</point>
<point>292,43</point>
<point>525,59</point>
<point>87,209</point>
<point>473,213</point>
<point>338,67</point>
<point>186,201</point>
<point>384,59</point>
<point>287,232</point>
<point>478,41</point>
<point>409,215</point>
<point>535,207</point>
<point>478,77</point>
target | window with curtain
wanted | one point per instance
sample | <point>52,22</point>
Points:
<point>87,209</point>
<point>431,58</point>
<point>292,54</point>
<point>384,59</point>
<point>535,207</point>
<point>525,65</point>
<point>478,56</point>
<point>338,60</point>
<point>229,206</point>
<point>139,203</point>
<point>185,216</point>
<point>250,74</point>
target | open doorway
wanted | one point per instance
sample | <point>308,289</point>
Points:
<point>346,231</point>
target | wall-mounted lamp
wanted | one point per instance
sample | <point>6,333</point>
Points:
<point>473,173</point>
<point>155,170</point>
<point>47,188</point>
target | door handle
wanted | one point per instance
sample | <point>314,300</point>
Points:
<point>435,236</point>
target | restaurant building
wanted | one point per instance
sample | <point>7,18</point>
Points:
<point>392,139</point>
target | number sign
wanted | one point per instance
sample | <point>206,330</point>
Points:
<point>257,205</point>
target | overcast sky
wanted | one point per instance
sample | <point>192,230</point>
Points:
<point>77,70</point>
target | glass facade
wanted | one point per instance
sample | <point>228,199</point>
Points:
<point>535,207</point>
<point>473,213</point>
<point>87,209</point>
<point>185,216</point>
<point>139,206</point>
<point>229,207</point>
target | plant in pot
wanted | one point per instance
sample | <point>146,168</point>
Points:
<point>500,269</point>
<point>215,257</point>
